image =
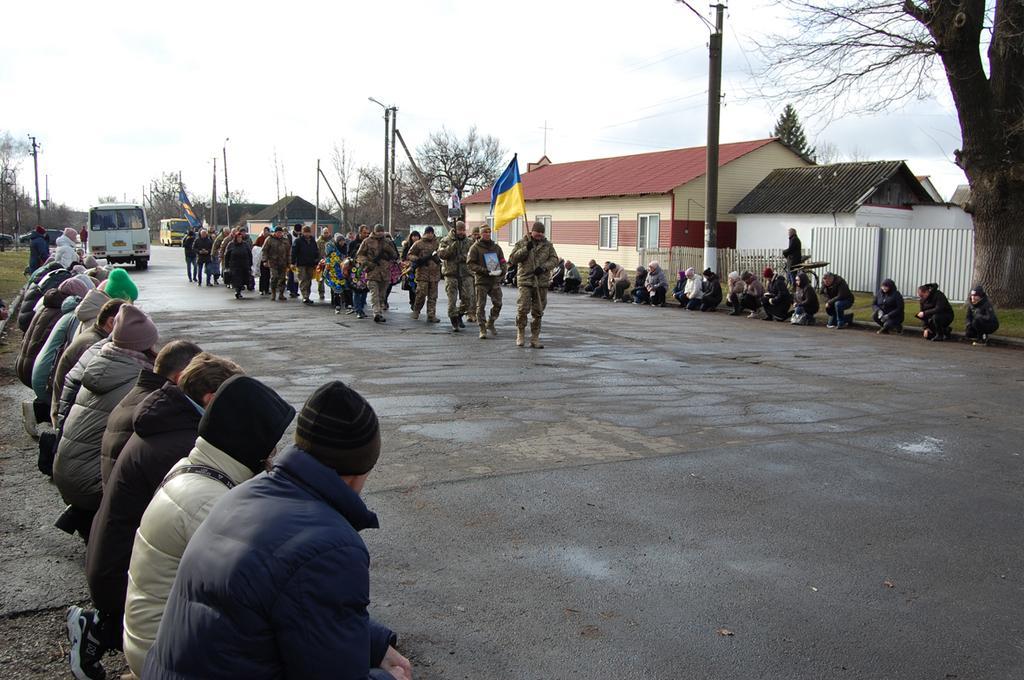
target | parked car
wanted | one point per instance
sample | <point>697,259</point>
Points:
<point>6,241</point>
<point>51,237</point>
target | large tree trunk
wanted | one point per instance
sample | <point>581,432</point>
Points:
<point>998,199</point>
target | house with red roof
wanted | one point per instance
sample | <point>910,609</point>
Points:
<point>611,208</point>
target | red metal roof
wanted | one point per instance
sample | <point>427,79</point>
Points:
<point>645,173</point>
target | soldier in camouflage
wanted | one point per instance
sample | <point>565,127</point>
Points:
<point>277,253</point>
<point>488,277</point>
<point>458,279</point>
<point>428,274</point>
<point>536,258</point>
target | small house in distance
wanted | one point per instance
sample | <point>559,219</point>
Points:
<point>883,194</point>
<point>611,208</point>
<point>288,212</point>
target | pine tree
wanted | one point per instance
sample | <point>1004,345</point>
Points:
<point>791,133</point>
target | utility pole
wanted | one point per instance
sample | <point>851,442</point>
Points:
<point>213,200</point>
<point>35,165</point>
<point>277,175</point>
<point>227,193</point>
<point>391,189</point>
<point>387,137</point>
<point>316,204</point>
<point>711,174</point>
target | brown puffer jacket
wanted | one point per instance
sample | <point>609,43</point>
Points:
<point>120,425</point>
<point>429,270</point>
<point>374,254</point>
<point>38,331</point>
<point>541,255</point>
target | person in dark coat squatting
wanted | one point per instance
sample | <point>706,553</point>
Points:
<point>981,317</point>
<point>275,606</point>
<point>888,308</point>
<point>936,313</point>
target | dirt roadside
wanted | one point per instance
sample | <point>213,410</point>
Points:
<point>42,566</point>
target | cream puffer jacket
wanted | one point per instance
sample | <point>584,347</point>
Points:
<point>172,517</point>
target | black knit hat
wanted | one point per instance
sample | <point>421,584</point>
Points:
<point>245,420</point>
<point>340,429</point>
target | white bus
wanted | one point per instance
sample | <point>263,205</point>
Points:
<point>120,233</point>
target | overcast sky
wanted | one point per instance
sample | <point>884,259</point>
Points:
<point>118,92</point>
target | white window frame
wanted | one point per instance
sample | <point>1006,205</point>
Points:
<point>643,231</point>
<point>515,230</point>
<point>612,242</point>
<point>546,221</point>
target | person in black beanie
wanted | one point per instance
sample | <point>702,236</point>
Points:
<point>238,432</point>
<point>277,578</point>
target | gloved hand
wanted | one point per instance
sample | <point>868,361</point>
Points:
<point>529,244</point>
<point>538,271</point>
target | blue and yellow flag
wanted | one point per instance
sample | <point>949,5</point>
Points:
<point>186,208</point>
<point>507,202</point>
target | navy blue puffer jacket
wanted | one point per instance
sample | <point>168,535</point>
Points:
<point>275,584</point>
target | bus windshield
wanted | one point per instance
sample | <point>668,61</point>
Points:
<point>177,226</point>
<point>108,219</point>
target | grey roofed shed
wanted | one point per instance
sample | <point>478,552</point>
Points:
<point>825,189</point>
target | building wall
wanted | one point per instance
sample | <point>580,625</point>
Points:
<point>735,181</point>
<point>771,231</point>
<point>945,216</point>
<point>575,225</point>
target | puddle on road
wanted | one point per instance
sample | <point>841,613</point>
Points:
<point>926,446</point>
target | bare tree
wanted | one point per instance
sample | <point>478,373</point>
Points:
<point>469,163</point>
<point>342,162</point>
<point>866,55</point>
<point>826,153</point>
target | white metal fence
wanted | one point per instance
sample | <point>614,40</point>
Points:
<point>864,256</point>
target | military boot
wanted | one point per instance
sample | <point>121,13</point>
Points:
<point>535,335</point>
<point>483,332</point>
<point>491,328</point>
<point>520,336</point>
<point>455,323</point>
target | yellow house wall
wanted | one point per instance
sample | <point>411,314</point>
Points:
<point>735,181</point>
<point>575,225</point>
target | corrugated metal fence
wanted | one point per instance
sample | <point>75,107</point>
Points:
<point>864,256</point>
<point>677,259</point>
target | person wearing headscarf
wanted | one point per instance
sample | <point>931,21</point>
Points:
<point>887,308</point>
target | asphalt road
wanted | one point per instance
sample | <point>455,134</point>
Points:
<point>657,494</point>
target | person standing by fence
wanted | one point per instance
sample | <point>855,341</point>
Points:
<point>793,255</point>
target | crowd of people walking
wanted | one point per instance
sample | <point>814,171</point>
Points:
<point>157,449</point>
<point>350,267</point>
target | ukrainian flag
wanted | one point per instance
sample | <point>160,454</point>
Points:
<point>186,207</point>
<point>507,201</point>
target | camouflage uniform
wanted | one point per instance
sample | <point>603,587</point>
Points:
<point>458,280</point>
<point>486,284</point>
<point>374,254</point>
<point>474,237</point>
<point>277,253</point>
<point>532,256</point>
<point>428,273</point>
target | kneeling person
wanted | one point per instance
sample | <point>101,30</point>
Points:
<point>248,591</point>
